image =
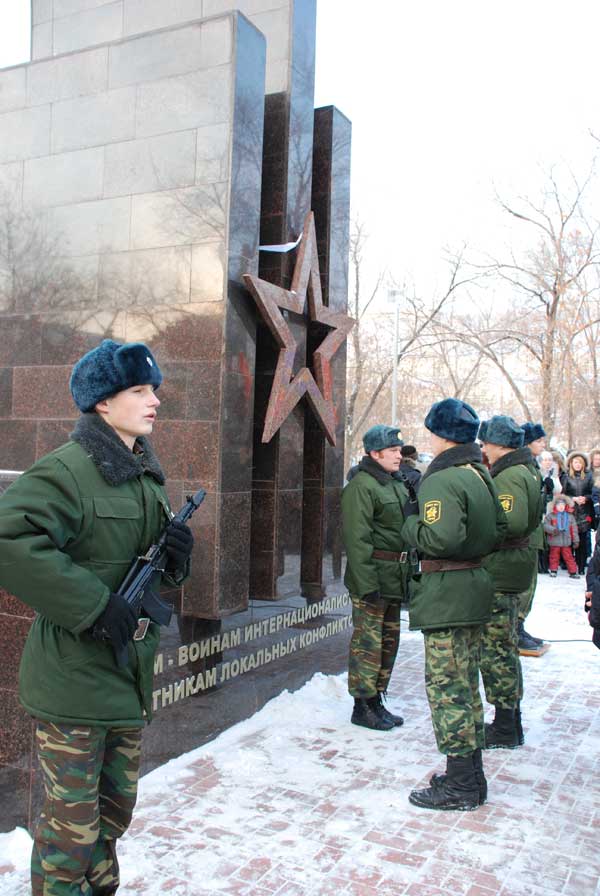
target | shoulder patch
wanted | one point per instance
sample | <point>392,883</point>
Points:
<point>507,501</point>
<point>432,512</point>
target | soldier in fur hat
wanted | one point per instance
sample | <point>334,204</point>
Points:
<point>69,528</point>
<point>511,567</point>
<point>376,573</point>
<point>455,523</point>
<point>534,438</point>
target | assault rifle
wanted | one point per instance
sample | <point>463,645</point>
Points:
<point>137,586</point>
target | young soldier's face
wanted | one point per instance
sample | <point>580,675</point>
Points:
<point>388,458</point>
<point>131,413</point>
<point>494,452</point>
<point>538,446</point>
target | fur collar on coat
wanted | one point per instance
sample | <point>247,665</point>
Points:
<point>115,461</point>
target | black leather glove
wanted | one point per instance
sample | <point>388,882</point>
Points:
<point>116,623</point>
<point>179,543</point>
<point>549,486</point>
<point>372,597</point>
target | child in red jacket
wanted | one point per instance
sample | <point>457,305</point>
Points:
<point>563,536</point>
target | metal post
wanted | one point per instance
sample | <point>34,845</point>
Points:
<point>395,293</point>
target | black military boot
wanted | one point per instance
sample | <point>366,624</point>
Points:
<point>365,713</point>
<point>519,724</point>
<point>479,774</point>
<point>457,790</point>
<point>527,641</point>
<point>502,733</point>
<point>384,713</point>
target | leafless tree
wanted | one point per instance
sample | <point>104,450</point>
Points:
<point>370,361</point>
<point>548,283</point>
<point>33,275</point>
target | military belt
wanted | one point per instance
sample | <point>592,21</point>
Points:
<point>391,555</point>
<point>448,565</point>
<point>512,543</point>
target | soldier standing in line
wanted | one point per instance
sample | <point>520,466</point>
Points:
<point>376,573</point>
<point>456,522</point>
<point>535,440</point>
<point>511,567</point>
<point>70,527</point>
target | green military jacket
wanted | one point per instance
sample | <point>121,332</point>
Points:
<point>372,519</point>
<point>68,533</point>
<point>536,539</point>
<point>518,487</point>
<point>459,518</point>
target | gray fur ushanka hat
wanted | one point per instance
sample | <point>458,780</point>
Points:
<point>454,420</point>
<point>380,436</point>
<point>109,368</point>
<point>502,430</point>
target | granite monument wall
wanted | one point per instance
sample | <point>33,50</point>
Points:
<point>146,152</point>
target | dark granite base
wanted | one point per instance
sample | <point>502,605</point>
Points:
<point>193,720</point>
<point>198,719</point>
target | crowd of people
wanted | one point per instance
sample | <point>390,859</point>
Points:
<point>574,482</point>
<point>461,543</point>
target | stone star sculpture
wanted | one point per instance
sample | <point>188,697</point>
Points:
<point>287,392</point>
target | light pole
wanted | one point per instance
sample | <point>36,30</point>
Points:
<point>394,296</point>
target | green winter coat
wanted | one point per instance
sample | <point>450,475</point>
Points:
<point>536,539</point>
<point>372,518</point>
<point>518,487</point>
<point>459,518</point>
<point>67,538</point>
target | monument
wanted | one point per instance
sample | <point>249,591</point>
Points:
<point>147,153</point>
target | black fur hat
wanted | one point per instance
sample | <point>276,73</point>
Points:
<point>454,420</point>
<point>533,432</point>
<point>501,430</point>
<point>109,368</point>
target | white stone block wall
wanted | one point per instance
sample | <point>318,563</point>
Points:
<point>76,24</point>
<point>124,153</point>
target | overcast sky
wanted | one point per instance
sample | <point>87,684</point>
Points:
<point>446,99</point>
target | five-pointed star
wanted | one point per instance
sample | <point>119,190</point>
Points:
<point>287,392</point>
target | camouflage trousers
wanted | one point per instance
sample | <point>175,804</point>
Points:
<point>90,779</point>
<point>452,685</point>
<point>526,597</point>
<point>373,646</point>
<point>500,662</point>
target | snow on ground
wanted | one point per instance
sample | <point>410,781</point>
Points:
<point>296,800</point>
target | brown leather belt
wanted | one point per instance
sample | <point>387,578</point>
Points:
<point>448,565</point>
<point>511,543</point>
<point>390,555</point>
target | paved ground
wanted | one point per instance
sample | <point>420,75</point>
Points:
<point>297,802</point>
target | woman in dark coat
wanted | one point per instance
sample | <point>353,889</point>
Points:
<point>577,484</point>
<point>592,594</point>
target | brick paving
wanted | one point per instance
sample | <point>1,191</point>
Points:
<point>246,820</point>
<point>298,802</point>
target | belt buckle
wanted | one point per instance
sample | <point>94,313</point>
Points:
<point>403,556</point>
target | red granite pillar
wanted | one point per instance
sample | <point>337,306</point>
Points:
<point>323,469</point>
<point>277,481</point>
